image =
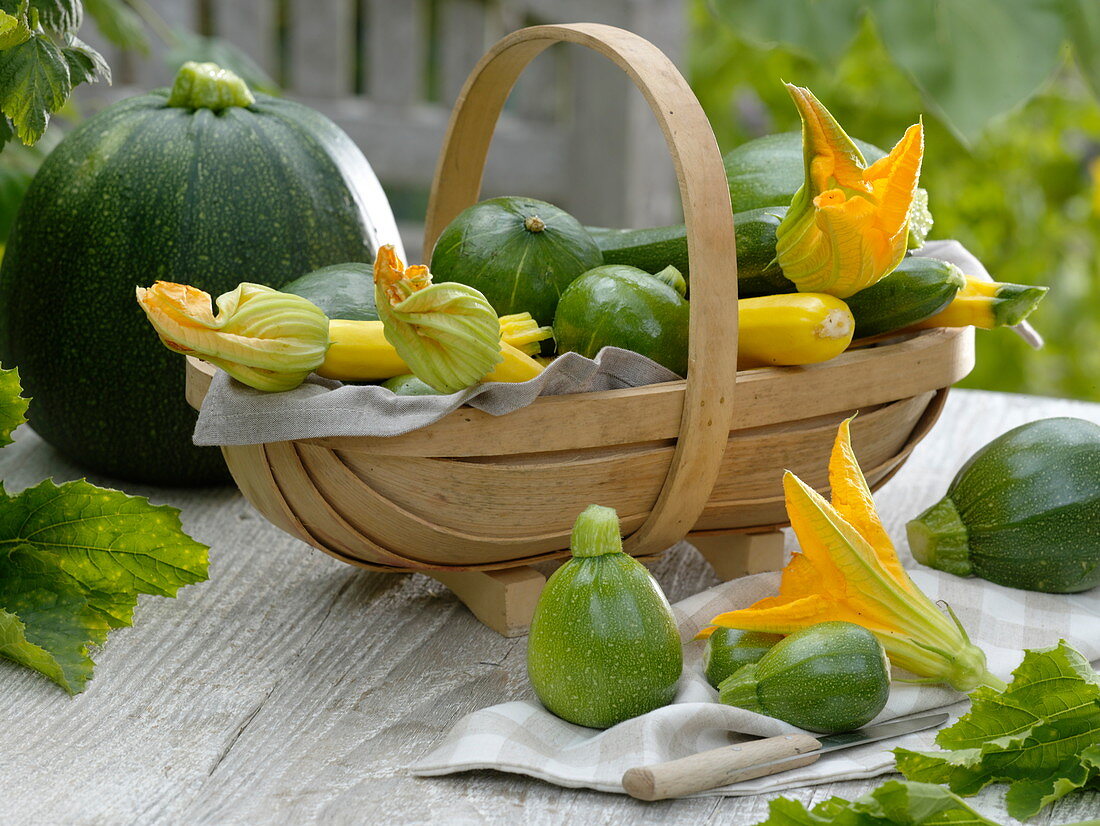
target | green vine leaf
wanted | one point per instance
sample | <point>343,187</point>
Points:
<point>34,83</point>
<point>86,65</point>
<point>1041,735</point>
<point>13,407</point>
<point>1083,24</point>
<point>118,23</point>
<point>895,801</point>
<point>822,29</point>
<point>59,16</point>
<point>13,30</point>
<point>73,560</point>
<point>973,59</point>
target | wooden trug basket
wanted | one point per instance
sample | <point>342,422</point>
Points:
<point>474,500</point>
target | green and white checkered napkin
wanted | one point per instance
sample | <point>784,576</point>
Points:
<point>524,738</point>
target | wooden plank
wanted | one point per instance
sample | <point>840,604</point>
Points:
<point>250,25</point>
<point>396,51</point>
<point>321,40</point>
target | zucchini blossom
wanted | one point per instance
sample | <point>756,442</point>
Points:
<point>264,338</point>
<point>448,333</point>
<point>848,224</point>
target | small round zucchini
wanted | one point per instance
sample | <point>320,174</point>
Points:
<point>728,649</point>
<point>830,677</point>
<point>603,646</point>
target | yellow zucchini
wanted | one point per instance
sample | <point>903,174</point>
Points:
<point>359,351</point>
<point>987,304</point>
<point>796,328</point>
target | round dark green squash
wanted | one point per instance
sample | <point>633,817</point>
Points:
<point>343,291</point>
<point>728,649</point>
<point>829,677</point>
<point>519,252</point>
<point>603,645</point>
<point>144,191</point>
<point>620,306</point>
<point>1024,511</point>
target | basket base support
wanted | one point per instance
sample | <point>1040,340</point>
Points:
<point>738,554</point>
<point>504,600</point>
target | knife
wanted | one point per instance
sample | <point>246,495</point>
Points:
<point>758,758</point>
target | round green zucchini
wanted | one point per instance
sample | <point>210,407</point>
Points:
<point>520,253</point>
<point>344,291</point>
<point>1022,512</point>
<point>146,190</point>
<point>620,306</point>
<point>830,677</point>
<point>603,645</point>
<point>728,649</point>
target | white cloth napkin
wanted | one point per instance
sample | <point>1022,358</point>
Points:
<point>524,738</point>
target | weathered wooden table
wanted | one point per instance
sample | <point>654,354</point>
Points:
<point>291,688</point>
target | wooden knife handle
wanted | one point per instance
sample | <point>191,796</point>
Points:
<point>717,767</point>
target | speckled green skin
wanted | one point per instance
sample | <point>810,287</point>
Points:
<point>829,677</point>
<point>1030,505</point>
<point>620,306</point>
<point>341,291</point>
<point>728,649</point>
<point>603,645</point>
<point>917,289</point>
<point>488,247</point>
<point>142,192</point>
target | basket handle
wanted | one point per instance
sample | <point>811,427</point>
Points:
<point>712,348</point>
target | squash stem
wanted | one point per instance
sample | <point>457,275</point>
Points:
<point>596,532</point>
<point>938,538</point>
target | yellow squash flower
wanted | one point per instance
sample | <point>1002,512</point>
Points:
<point>848,225</point>
<point>447,333</point>
<point>264,338</point>
<point>848,570</point>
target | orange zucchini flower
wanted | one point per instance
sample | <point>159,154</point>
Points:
<point>264,338</point>
<point>848,570</point>
<point>848,224</point>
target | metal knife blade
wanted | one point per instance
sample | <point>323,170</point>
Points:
<point>869,734</point>
<point>883,731</point>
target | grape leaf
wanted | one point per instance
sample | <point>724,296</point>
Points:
<point>973,59</point>
<point>894,802</point>
<point>13,30</point>
<point>118,23</point>
<point>1041,735</point>
<point>34,83</point>
<point>73,559</point>
<point>1083,24</point>
<point>86,65</point>
<point>822,29</point>
<point>13,407</point>
<point>60,16</point>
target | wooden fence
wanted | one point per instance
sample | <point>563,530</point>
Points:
<point>575,132</point>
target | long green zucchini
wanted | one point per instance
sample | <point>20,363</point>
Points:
<point>655,248</point>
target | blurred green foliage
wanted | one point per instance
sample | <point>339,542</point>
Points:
<point>1023,197</point>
